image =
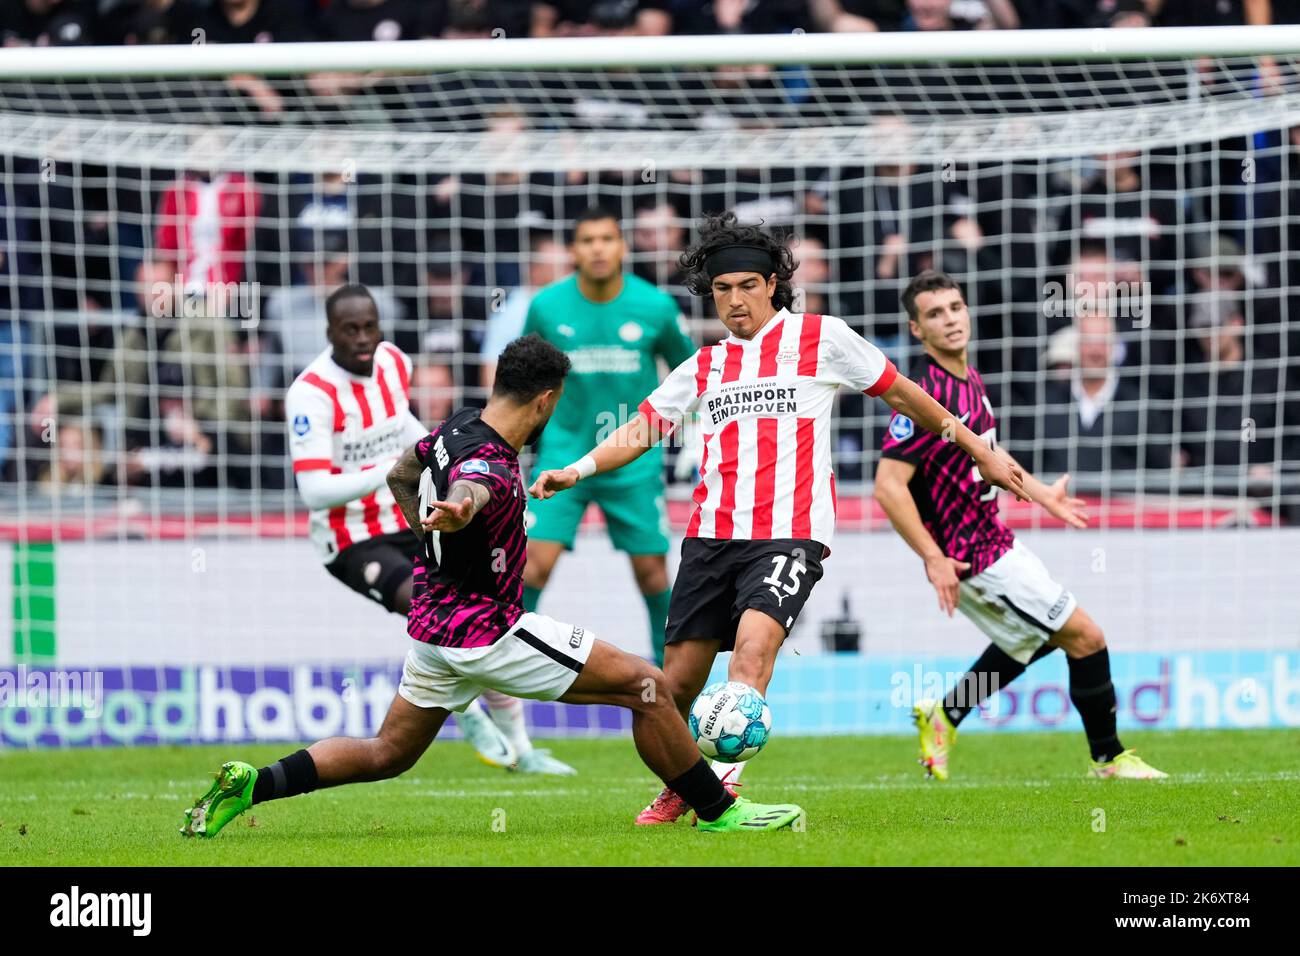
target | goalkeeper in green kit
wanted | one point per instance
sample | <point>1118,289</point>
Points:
<point>613,326</point>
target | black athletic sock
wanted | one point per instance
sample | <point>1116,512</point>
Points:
<point>701,788</point>
<point>287,777</point>
<point>1093,696</point>
<point>993,670</point>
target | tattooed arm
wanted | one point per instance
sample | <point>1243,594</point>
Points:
<point>404,482</point>
<point>465,498</point>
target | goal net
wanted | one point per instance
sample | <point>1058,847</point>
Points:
<point>1119,206</point>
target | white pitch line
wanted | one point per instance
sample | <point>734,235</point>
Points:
<point>806,785</point>
<point>802,784</point>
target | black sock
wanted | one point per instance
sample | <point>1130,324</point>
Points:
<point>287,777</point>
<point>701,788</point>
<point>1093,696</point>
<point>994,670</point>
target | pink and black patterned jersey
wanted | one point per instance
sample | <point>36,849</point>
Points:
<point>468,585</point>
<point>959,508</point>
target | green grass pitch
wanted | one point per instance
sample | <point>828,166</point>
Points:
<point>1015,799</point>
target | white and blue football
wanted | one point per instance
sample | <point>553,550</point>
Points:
<point>730,721</point>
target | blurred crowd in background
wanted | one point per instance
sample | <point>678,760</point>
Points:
<point>45,22</point>
<point>116,369</point>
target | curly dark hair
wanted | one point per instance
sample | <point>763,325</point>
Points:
<point>724,229</point>
<point>527,367</point>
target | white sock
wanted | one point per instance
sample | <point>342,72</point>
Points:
<point>508,714</point>
<point>475,707</point>
<point>721,769</point>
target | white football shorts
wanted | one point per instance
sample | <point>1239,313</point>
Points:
<point>539,658</point>
<point>1016,602</point>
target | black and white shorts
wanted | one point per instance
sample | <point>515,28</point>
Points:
<point>537,659</point>
<point>377,566</point>
<point>1017,602</point>
<point>718,581</point>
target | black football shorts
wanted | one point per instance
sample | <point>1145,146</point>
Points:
<point>377,566</point>
<point>718,580</point>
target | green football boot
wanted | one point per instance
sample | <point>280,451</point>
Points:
<point>229,796</point>
<point>746,815</point>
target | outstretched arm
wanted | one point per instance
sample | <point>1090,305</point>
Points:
<point>996,466</point>
<point>1055,498</point>
<point>892,477</point>
<point>465,498</point>
<point>623,447</point>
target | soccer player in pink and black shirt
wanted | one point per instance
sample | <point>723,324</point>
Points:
<point>349,418</point>
<point>940,505</point>
<point>764,512</point>
<point>460,486</point>
<point>462,594</point>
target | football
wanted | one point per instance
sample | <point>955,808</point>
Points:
<point>730,721</point>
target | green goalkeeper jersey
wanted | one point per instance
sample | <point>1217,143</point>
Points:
<point>613,346</point>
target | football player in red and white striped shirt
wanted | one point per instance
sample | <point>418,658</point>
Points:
<point>765,505</point>
<point>349,421</point>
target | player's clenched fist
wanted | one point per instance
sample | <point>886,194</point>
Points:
<point>553,480</point>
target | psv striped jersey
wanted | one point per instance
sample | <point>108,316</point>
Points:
<point>765,410</point>
<point>340,422</point>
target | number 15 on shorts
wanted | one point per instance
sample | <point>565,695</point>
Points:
<point>781,564</point>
